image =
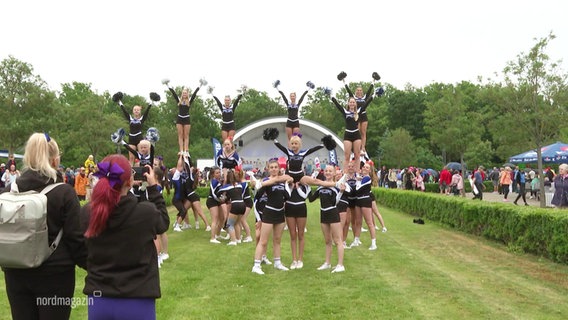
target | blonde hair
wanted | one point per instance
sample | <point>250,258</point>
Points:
<point>144,142</point>
<point>356,114</point>
<point>182,100</point>
<point>38,155</point>
<point>297,139</point>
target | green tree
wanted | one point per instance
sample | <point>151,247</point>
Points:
<point>535,97</point>
<point>399,148</point>
<point>26,104</point>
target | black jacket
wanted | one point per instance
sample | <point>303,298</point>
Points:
<point>62,212</point>
<point>122,261</point>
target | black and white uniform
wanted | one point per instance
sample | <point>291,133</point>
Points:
<point>234,193</point>
<point>143,159</point>
<point>363,193</point>
<point>213,197</point>
<point>352,196</point>
<point>229,161</point>
<point>351,125</point>
<point>189,187</point>
<point>329,197</point>
<point>135,125</point>
<point>295,162</point>
<point>228,113</point>
<point>362,103</point>
<point>293,110</point>
<point>259,204</point>
<point>296,205</point>
<point>183,112</point>
<point>246,196</point>
<point>276,199</point>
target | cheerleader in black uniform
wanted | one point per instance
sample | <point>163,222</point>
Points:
<point>344,204</point>
<point>135,122</point>
<point>364,202</point>
<point>363,102</point>
<point>259,203</point>
<point>248,206</point>
<point>214,204</point>
<point>352,135</point>
<point>183,122</point>
<point>233,189</point>
<point>228,116</point>
<point>277,191</point>
<point>330,221</point>
<point>295,162</point>
<point>293,122</point>
<point>190,194</point>
<point>227,157</point>
<point>296,215</point>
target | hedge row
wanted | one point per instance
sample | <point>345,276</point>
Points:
<point>540,231</point>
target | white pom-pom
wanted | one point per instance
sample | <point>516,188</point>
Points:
<point>202,82</point>
<point>244,88</point>
<point>210,89</point>
<point>165,81</point>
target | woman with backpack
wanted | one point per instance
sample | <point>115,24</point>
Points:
<point>27,288</point>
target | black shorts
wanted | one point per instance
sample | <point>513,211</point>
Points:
<point>342,206</point>
<point>296,211</point>
<point>238,208</point>
<point>183,121</point>
<point>352,136</point>
<point>292,124</point>
<point>192,197</point>
<point>363,117</point>
<point>272,216</point>
<point>364,202</point>
<point>372,195</point>
<point>134,140</point>
<point>210,203</point>
<point>296,176</point>
<point>248,202</point>
<point>330,216</point>
<point>228,126</point>
<point>352,202</point>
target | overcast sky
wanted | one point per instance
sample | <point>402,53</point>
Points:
<point>131,46</point>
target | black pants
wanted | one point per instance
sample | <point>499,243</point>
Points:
<point>479,194</point>
<point>40,295</point>
<point>522,193</point>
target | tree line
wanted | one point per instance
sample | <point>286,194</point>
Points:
<point>474,123</point>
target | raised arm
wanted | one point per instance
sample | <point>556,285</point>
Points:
<point>236,103</point>
<point>281,147</point>
<point>219,104</point>
<point>313,149</point>
<point>284,97</point>
<point>174,94</point>
<point>145,116</point>
<point>131,150</point>
<point>124,112</point>
<point>338,106</point>
<point>302,98</point>
<point>349,91</point>
<point>194,95</point>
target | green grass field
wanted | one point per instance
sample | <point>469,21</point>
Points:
<point>418,272</point>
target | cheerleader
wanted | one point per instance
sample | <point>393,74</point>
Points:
<point>233,191</point>
<point>259,203</point>
<point>179,178</point>
<point>144,152</point>
<point>214,204</point>
<point>249,203</point>
<point>293,122</point>
<point>352,135</point>
<point>296,213</point>
<point>227,157</point>
<point>330,220</point>
<point>191,197</point>
<point>364,202</point>
<point>183,122</point>
<point>135,122</point>
<point>228,114</point>
<point>296,156</point>
<point>277,191</point>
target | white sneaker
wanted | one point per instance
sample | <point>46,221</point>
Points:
<point>338,268</point>
<point>160,261</point>
<point>208,229</point>
<point>196,225</point>
<point>376,227</point>
<point>247,239</point>
<point>164,256</point>
<point>305,229</point>
<point>294,265</point>
<point>359,242</point>
<point>355,243</point>
<point>286,227</point>
<point>185,226</point>
<point>325,266</point>
<point>299,264</point>
<point>177,228</point>
<point>239,241</point>
<point>214,241</point>
<point>232,243</point>
<point>384,229</point>
<point>266,261</point>
<point>280,266</point>
<point>373,247</point>
<point>257,270</point>
<point>364,230</point>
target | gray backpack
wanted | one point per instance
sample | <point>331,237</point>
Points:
<point>23,228</point>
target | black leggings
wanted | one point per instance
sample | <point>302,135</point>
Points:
<point>35,295</point>
<point>182,212</point>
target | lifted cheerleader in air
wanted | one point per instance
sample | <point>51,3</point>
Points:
<point>293,122</point>
<point>227,114</point>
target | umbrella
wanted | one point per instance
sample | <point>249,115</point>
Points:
<point>508,164</point>
<point>553,153</point>
<point>433,172</point>
<point>454,166</point>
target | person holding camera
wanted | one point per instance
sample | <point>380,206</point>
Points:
<point>122,264</point>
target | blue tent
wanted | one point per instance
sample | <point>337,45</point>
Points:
<point>554,153</point>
